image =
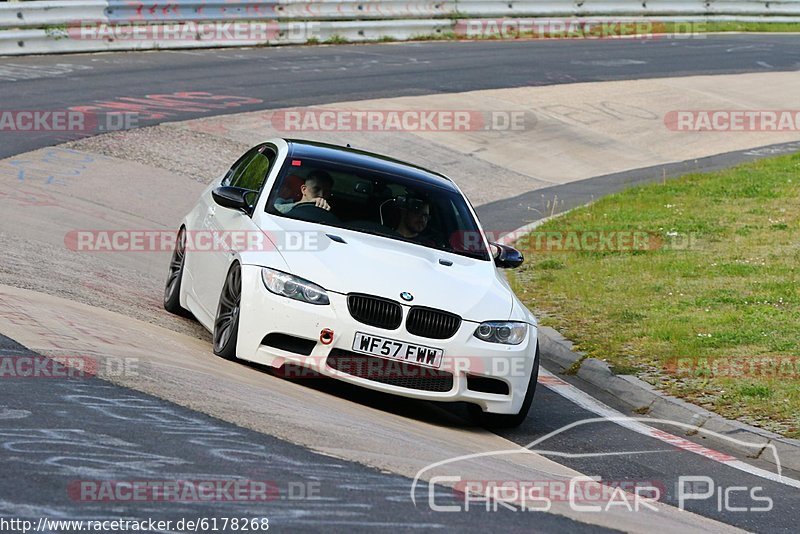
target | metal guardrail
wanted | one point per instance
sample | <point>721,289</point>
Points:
<point>640,8</point>
<point>44,27</point>
<point>36,41</point>
<point>120,10</point>
<point>41,14</point>
<point>33,14</point>
<point>36,14</point>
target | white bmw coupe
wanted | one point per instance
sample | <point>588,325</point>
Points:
<point>363,268</point>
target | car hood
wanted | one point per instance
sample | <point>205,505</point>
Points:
<point>385,267</point>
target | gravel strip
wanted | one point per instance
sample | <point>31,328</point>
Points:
<point>164,146</point>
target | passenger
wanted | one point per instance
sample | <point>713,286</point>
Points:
<point>414,216</point>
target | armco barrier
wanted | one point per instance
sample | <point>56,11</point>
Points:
<point>29,41</point>
<point>41,14</point>
<point>120,10</point>
<point>47,27</point>
<point>641,8</point>
<point>35,14</point>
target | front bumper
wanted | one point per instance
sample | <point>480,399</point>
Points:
<point>465,356</point>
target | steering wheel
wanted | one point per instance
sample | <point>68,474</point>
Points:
<point>307,211</point>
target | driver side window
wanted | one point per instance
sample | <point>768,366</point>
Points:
<point>250,172</point>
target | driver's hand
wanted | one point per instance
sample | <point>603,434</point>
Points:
<point>322,203</point>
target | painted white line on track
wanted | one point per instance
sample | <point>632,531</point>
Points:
<point>587,402</point>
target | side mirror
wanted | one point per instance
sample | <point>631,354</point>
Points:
<point>506,257</point>
<point>234,198</point>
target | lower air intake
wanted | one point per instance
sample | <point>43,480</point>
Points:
<point>394,373</point>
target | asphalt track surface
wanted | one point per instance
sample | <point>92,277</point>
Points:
<point>303,76</point>
<point>56,434</point>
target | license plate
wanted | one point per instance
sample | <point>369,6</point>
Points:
<point>398,350</point>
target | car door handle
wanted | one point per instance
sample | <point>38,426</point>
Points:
<point>211,211</point>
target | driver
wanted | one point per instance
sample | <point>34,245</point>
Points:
<point>316,190</point>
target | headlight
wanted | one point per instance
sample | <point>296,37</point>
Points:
<point>293,287</point>
<point>505,332</point>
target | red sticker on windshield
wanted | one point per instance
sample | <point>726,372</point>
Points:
<point>296,163</point>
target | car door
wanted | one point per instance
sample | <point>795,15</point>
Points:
<point>197,223</point>
<point>226,228</point>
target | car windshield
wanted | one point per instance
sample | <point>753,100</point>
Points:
<point>376,202</point>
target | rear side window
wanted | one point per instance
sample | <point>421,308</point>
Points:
<point>251,171</point>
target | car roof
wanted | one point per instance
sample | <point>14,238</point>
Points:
<point>299,148</point>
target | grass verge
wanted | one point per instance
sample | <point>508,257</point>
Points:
<point>760,27</point>
<point>696,290</point>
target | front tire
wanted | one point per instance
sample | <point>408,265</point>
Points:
<point>226,323</point>
<point>172,289</point>
<point>501,420</point>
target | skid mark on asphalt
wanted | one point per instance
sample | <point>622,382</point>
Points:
<point>6,414</point>
<point>13,72</point>
<point>162,106</point>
